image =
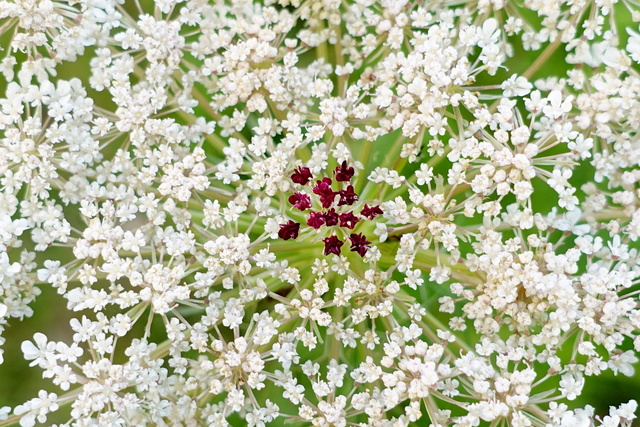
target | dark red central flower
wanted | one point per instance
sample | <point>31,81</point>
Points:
<point>371,212</point>
<point>348,220</point>
<point>332,245</point>
<point>344,173</point>
<point>323,189</point>
<point>289,230</point>
<point>347,197</point>
<point>316,220</point>
<point>332,213</point>
<point>301,175</point>
<point>300,201</point>
<point>359,243</point>
<point>331,217</point>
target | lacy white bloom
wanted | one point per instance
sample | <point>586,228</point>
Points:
<point>320,213</point>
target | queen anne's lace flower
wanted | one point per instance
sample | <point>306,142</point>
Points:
<point>322,213</point>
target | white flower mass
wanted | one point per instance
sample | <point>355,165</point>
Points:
<point>320,212</point>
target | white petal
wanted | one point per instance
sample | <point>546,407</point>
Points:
<point>30,351</point>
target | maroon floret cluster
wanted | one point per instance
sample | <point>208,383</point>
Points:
<point>301,176</point>
<point>332,245</point>
<point>359,243</point>
<point>289,230</point>
<point>344,173</point>
<point>337,209</point>
<point>324,191</point>
<point>300,201</point>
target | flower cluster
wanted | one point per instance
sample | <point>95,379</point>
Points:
<point>327,198</point>
<point>322,212</point>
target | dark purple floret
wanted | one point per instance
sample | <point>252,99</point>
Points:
<point>371,212</point>
<point>344,173</point>
<point>316,220</point>
<point>348,220</point>
<point>289,230</point>
<point>359,243</point>
<point>331,217</point>
<point>301,175</point>
<point>323,189</point>
<point>348,196</point>
<point>300,201</point>
<point>332,245</point>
